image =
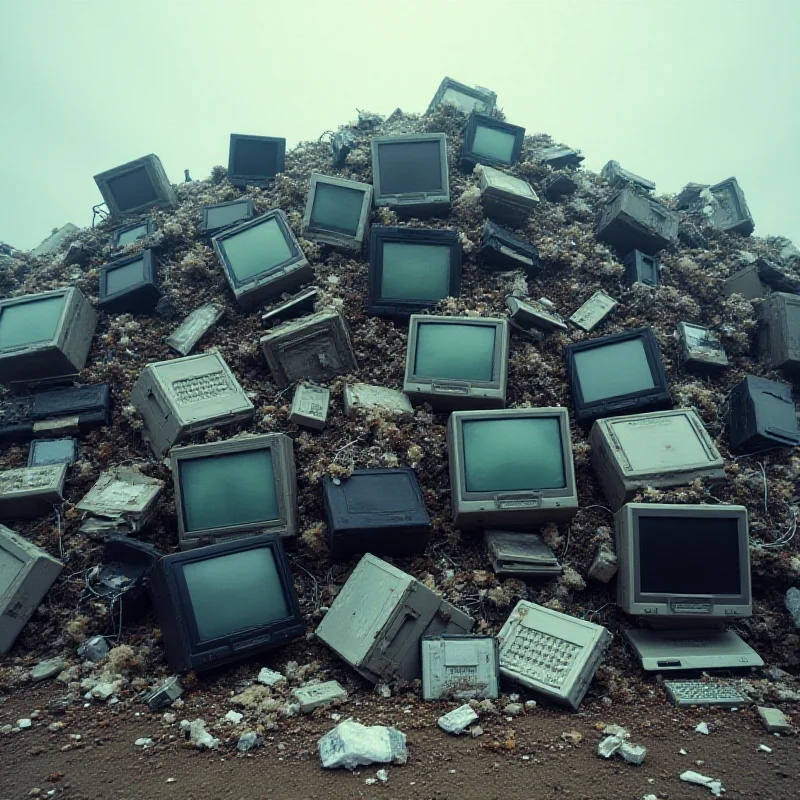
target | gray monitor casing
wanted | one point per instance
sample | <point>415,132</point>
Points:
<point>379,617</point>
<point>700,349</point>
<point>165,195</point>
<point>412,203</point>
<point>520,553</point>
<point>617,176</point>
<point>23,585</point>
<point>632,221</point>
<point>678,610</point>
<point>484,98</point>
<point>316,347</point>
<point>444,393</point>
<point>515,509</point>
<point>310,406</point>
<point>460,667</point>
<point>56,359</point>
<point>523,315</point>
<point>731,212</point>
<point>779,332</point>
<point>30,492</point>
<point>659,450</point>
<point>745,282</point>
<point>282,450</point>
<point>505,197</point>
<point>337,238</point>
<point>180,397</point>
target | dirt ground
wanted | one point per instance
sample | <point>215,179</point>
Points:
<point>104,763</point>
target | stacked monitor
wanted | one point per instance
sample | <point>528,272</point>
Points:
<point>337,212</point>
<point>132,232</point>
<point>412,269</point>
<point>255,159</point>
<point>136,187</point>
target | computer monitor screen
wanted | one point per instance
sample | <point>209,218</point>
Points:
<point>675,554</point>
<point>256,157</point>
<point>133,189</point>
<point>410,167</point>
<point>491,142</point>
<point>514,454</point>
<point>227,490</point>
<point>132,234</point>
<point>30,322</point>
<point>51,451</point>
<point>455,352</point>
<point>224,215</point>
<point>213,583</point>
<point>256,250</point>
<point>415,271</point>
<point>125,276</point>
<point>337,208</point>
<point>612,370</point>
<point>462,101</point>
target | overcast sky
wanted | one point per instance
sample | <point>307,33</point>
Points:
<point>675,90</point>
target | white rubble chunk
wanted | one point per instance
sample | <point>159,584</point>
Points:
<point>764,749</point>
<point>200,737</point>
<point>382,775</point>
<point>24,723</point>
<point>712,784</point>
<point>248,741</point>
<point>604,565</point>
<point>513,709</point>
<point>269,677</point>
<point>458,720</point>
<point>319,694</point>
<point>48,669</point>
<point>616,730</point>
<point>702,728</point>
<point>351,744</point>
<point>774,720</point>
<point>609,746</point>
<point>145,741</point>
<point>632,753</point>
<point>234,717</point>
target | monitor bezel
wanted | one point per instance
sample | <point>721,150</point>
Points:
<point>469,158</point>
<point>206,230</point>
<point>165,195</point>
<point>633,272</point>
<point>140,297</point>
<point>486,96</point>
<point>337,238</point>
<point>653,399</point>
<point>61,326</point>
<point>484,509</point>
<point>413,202</point>
<point>117,232</point>
<point>629,595</point>
<point>379,236</point>
<point>35,442</point>
<point>243,179</point>
<point>282,452</point>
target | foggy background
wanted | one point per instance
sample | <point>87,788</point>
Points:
<point>676,91</point>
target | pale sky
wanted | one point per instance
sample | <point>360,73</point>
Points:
<point>675,90</point>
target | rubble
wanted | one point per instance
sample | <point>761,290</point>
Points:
<point>48,669</point>
<point>194,327</point>
<point>269,677</point>
<point>249,741</point>
<point>513,709</point>
<point>351,744</point>
<point>200,737</point>
<point>632,753</point>
<point>143,742</point>
<point>24,723</point>
<point>793,604</point>
<point>234,717</point>
<point>164,694</point>
<point>604,564</point>
<point>712,784</point>
<point>458,720</point>
<point>702,728</point>
<point>774,720</point>
<point>320,694</point>
<point>93,649</point>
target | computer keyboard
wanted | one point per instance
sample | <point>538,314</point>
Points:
<point>704,693</point>
<point>540,656</point>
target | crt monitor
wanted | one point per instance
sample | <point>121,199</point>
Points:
<point>683,562</point>
<point>225,602</point>
<point>223,215</point>
<point>261,258</point>
<point>464,98</point>
<point>129,285</point>
<point>234,488</point>
<point>510,468</point>
<point>488,140</point>
<point>337,211</point>
<point>457,362</point>
<point>127,234</point>
<point>136,186</point>
<point>622,373</point>
<point>255,159</point>
<point>410,174</point>
<point>412,269</point>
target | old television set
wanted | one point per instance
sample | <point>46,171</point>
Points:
<point>410,174</point>
<point>700,349</point>
<point>225,602</point>
<point>255,159</point>
<point>761,415</point>
<point>457,362</point>
<point>686,570</point>
<point>378,511</point>
<point>26,574</point>
<point>129,285</point>
<point>337,212</point>
<point>633,221</point>
<point>465,98</point>
<point>641,268</point>
<point>502,251</point>
<point>223,215</point>
<point>617,374</point>
<point>779,332</point>
<point>511,468</point>
<point>412,269</point>
<point>261,259</point>
<point>236,488</point>
<point>29,492</point>
<point>746,282</point>
<point>488,140</point>
<point>136,186</point>
<point>504,196</point>
<point>45,337</point>
<point>52,451</point>
<point>132,232</point>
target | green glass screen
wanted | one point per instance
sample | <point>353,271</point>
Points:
<point>460,352</point>
<point>337,208</point>
<point>613,370</point>
<point>34,321</point>
<point>415,271</point>
<point>493,143</point>
<point>229,489</point>
<point>256,250</point>
<point>515,454</point>
<point>131,235</point>
<point>225,215</point>
<point>122,278</point>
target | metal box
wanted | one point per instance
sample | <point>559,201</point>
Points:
<point>380,615</point>
<point>316,347</point>
<point>761,415</point>
<point>593,311</point>
<point>700,349</point>
<point>460,667</point>
<point>631,221</point>
<point>745,282</point>
<point>521,554</point>
<point>30,492</point>
<point>136,186</point>
<point>659,450</point>
<point>619,177</point>
<point>779,332</point>
<point>505,197</point>
<point>730,211</point>
<point>525,316</point>
<point>502,251</point>
<point>181,397</point>
<point>641,268</point>
<point>550,652</point>
<point>310,406</point>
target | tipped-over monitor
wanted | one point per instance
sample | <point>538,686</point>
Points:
<point>44,336</point>
<point>409,173</point>
<point>617,374</point>
<point>255,159</point>
<point>225,602</point>
<point>129,285</point>
<point>136,186</point>
<point>510,468</point>
<point>465,98</point>
<point>228,490</point>
<point>262,259</point>
<point>337,212</point>
<point>457,362</point>
<point>779,333</point>
<point>488,140</point>
<point>412,269</point>
<point>132,232</point>
<point>223,215</point>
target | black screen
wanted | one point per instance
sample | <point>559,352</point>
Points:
<point>410,167</point>
<point>382,494</point>
<point>689,555</point>
<point>133,189</point>
<point>255,158</point>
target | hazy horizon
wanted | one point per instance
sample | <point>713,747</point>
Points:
<point>676,92</point>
